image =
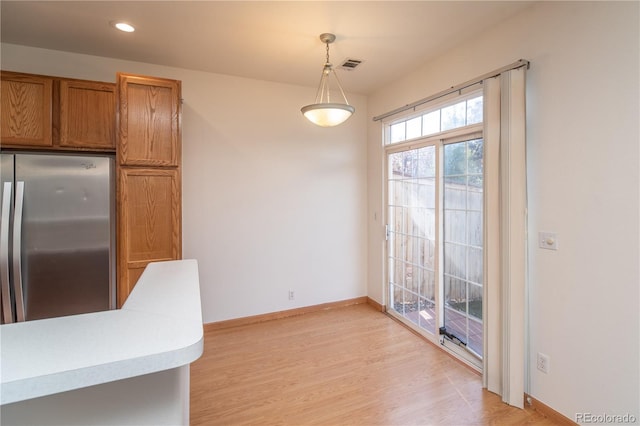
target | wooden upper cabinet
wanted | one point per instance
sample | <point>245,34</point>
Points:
<point>26,110</point>
<point>149,121</point>
<point>57,113</point>
<point>87,114</point>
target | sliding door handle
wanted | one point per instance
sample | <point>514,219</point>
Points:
<point>17,251</point>
<point>7,312</point>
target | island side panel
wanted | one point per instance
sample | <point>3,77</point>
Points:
<point>154,399</point>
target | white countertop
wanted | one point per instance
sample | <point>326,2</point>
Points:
<point>158,328</point>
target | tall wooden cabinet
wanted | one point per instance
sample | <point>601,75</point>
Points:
<point>149,176</point>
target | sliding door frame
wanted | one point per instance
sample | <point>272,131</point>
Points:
<point>438,140</point>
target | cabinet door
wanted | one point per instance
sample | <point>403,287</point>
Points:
<point>26,110</point>
<point>149,126</point>
<point>149,222</point>
<point>87,114</point>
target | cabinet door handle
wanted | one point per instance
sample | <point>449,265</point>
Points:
<point>7,315</point>
<point>17,251</point>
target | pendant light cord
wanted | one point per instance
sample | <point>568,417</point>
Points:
<point>327,43</point>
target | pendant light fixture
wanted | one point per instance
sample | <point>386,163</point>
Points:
<point>324,112</point>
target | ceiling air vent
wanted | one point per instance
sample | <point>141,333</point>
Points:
<point>350,64</point>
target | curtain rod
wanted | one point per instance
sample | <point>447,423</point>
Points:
<point>518,64</point>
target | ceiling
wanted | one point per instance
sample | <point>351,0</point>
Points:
<point>266,40</point>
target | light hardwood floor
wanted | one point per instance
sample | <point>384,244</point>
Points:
<point>346,366</point>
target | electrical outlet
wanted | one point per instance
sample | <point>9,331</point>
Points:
<point>292,295</point>
<point>544,363</point>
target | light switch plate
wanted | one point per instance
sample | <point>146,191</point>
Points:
<point>548,240</point>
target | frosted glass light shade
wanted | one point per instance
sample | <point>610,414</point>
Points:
<point>123,26</point>
<point>327,114</point>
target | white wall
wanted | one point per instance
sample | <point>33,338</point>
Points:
<point>582,154</point>
<point>270,201</point>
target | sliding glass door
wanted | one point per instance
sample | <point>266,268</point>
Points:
<point>435,240</point>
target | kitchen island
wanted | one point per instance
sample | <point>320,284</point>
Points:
<point>126,366</point>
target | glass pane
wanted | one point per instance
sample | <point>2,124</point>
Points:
<point>431,224</point>
<point>427,290</point>
<point>392,216</point>
<point>403,249</point>
<point>396,218</point>
<point>414,128</point>
<point>421,223</point>
<point>395,166</point>
<point>411,256</point>
<point>410,163</point>
<point>475,155</point>
<point>416,279</point>
<point>426,162</point>
<point>401,193</point>
<point>427,316</point>
<point>475,264</point>
<point>412,282</point>
<point>474,340</point>
<point>428,191</point>
<point>474,110</point>
<point>476,181</point>
<point>454,116</point>
<point>431,123</point>
<point>425,193</point>
<point>397,251</point>
<point>475,301</point>
<point>430,255</point>
<point>455,226</point>
<point>422,250</point>
<point>474,228</point>
<point>455,294</point>
<point>455,159</point>
<point>474,196</point>
<point>398,272</point>
<point>455,194</point>
<point>397,132</point>
<point>455,260</point>
<point>396,298</point>
<point>391,273</point>
<point>395,195</point>
<point>411,307</point>
<point>412,192</point>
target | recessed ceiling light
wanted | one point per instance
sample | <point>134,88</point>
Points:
<point>123,26</point>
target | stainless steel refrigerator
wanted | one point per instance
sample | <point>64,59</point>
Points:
<point>57,235</point>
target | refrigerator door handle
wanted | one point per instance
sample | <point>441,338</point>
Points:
<point>17,251</point>
<point>4,254</point>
